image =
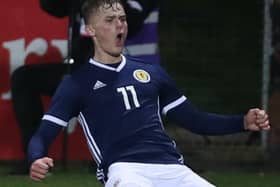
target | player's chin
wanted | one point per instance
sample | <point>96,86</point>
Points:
<point>116,53</point>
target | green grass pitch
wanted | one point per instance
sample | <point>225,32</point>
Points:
<point>81,176</point>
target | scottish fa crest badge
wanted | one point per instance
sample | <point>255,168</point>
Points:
<point>141,76</point>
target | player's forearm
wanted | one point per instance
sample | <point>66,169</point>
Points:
<point>41,140</point>
<point>206,123</point>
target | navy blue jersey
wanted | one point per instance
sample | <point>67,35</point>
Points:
<point>119,109</point>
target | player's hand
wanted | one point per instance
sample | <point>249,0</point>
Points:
<point>40,167</point>
<point>256,120</point>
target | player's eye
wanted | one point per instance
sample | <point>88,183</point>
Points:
<point>123,18</point>
<point>109,20</point>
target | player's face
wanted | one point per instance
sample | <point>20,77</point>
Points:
<point>109,30</point>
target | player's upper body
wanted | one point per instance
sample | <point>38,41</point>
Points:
<point>120,108</point>
<point>119,102</point>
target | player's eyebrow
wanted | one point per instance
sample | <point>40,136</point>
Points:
<point>110,17</point>
<point>114,16</point>
<point>123,16</point>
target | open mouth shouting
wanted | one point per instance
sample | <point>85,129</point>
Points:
<point>120,38</point>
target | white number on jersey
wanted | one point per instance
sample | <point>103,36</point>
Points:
<point>124,91</point>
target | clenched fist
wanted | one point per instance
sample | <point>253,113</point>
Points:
<point>40,168</point>
<point>256,120</point>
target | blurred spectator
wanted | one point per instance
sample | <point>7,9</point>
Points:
<point>30,82</point>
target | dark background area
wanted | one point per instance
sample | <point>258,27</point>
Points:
<point>214,51</point>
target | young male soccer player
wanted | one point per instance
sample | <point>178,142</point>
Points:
<point>119,102</point>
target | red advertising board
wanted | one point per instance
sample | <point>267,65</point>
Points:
<point>28,36</point>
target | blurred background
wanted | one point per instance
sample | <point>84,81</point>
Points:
<point>223,54</point>
<point>217,53</point>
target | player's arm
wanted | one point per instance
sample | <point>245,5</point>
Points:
<point>216,124</point>
<point>180,110</point>
<point>38,149</point>
<point>205,123</point>
<point>66,104</point>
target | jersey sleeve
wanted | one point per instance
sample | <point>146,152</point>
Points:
<point>66,103</point>
<point>205,123</point>
<point>41,140</point>
<point>169,95</point>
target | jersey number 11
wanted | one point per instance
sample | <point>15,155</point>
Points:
<point>124,91</point>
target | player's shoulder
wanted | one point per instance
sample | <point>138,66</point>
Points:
<point>81,72</point>
<point>67,86</point>
<point>73,80</point>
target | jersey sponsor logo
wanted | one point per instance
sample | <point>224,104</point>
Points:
<point>141,76</point>
<point>98,85</point>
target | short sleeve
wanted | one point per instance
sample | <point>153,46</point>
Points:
<point>170,96</point>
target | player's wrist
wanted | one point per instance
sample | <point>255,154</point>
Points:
<point>245,123</point>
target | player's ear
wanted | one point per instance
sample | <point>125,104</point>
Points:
<point>90,30</point>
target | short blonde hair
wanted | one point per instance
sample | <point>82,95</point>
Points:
<point>89,7</point>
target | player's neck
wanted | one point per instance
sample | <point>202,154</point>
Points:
<point>107,59</point>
